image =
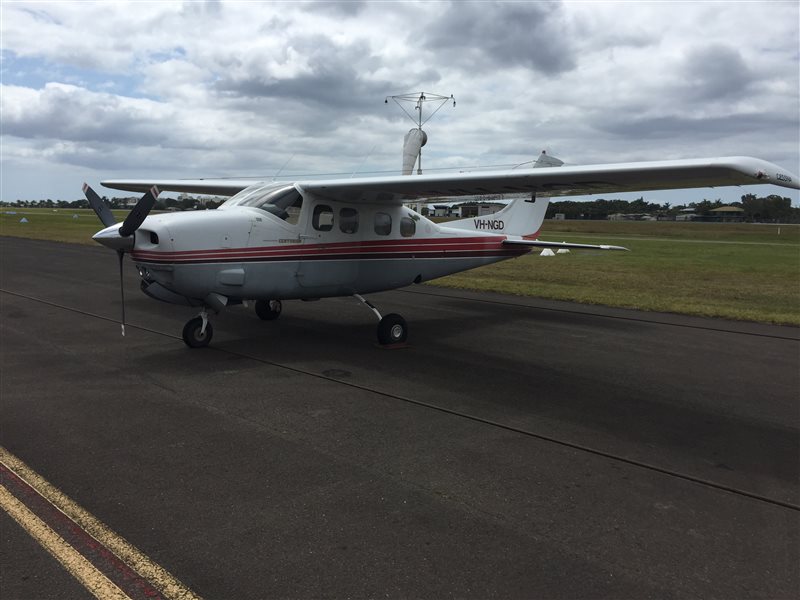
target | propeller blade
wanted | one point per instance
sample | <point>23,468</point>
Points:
<point>139,212</point>
<point>121,255</point>
<point>98,206</point>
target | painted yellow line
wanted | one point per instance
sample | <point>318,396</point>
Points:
<point>72,560</point>
<point>160,578</point>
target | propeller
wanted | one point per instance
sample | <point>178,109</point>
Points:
<point>98,206</point>
<point>135,218</point>
<point>123,237</point>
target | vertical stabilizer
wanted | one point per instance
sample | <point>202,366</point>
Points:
<point>523,216</point>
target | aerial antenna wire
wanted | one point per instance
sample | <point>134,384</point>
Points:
<point>284,166</point>
<point>358,168</point>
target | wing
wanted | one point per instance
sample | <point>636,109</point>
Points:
<point>549,181</point>
<point>560,181</point>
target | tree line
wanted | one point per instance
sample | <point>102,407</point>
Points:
<point>768,209</point>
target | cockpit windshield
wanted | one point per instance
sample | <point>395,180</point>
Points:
<point>279,199</point>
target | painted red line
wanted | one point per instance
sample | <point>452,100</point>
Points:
<point>108,563</point>
<point>369,245</point>
<point>405,252</point>
<point>504,252</point>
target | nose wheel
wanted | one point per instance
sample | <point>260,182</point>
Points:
<point>197,332</point>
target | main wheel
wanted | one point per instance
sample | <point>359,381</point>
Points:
<point>192,333</point>
<point>392,329</point>
<point>268,310</point>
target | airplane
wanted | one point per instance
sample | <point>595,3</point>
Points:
<point>311,239</point>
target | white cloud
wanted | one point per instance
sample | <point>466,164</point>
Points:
<point>235,88</point>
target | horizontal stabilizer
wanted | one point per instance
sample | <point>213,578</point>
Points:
<point>543,244</point>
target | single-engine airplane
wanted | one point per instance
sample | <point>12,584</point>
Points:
<point>315,239</point>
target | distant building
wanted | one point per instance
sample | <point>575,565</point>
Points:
<point>631,217</point>
<point>723,214</point>
<point>728,214</point>
<point>479,210</point>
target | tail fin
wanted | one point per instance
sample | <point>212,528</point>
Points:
<point>522,216</point>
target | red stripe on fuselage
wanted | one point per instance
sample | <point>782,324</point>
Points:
<point>369,250</point>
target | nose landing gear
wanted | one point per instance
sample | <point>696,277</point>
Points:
<point>197,332</point>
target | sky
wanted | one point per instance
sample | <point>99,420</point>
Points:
<point>100,90</point>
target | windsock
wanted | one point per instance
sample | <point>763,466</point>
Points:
<point>414,140</point>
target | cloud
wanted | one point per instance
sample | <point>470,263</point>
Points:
<point>479,35</point>
<point>328,76</point>
<point>345,8</point>
<point>235,88</point>
<point>714,72</point>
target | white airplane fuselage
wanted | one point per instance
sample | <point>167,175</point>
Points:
<point>333,249</point>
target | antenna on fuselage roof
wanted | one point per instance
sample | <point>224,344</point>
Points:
<point>543,160</point>
<point>416,138</point>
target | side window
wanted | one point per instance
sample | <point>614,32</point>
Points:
<point>407,227</point>
<point>383,224</point>
<point>348,220</point>
<point>323,218</point>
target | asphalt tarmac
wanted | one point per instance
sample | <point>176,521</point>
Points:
<point>517,448</point>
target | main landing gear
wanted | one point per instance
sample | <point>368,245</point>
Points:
<point>268,310</point>
<point>392,329</point>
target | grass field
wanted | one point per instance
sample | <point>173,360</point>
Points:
<point>59,225</point>
<point>737,271</point>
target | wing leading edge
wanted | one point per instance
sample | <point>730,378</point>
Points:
<point>550,181</point>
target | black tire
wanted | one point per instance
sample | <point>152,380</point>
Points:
<point>392,329</point>
<point>268,310</point>
<point>192,336</point>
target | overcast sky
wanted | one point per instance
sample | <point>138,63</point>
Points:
<point>205,89</point>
